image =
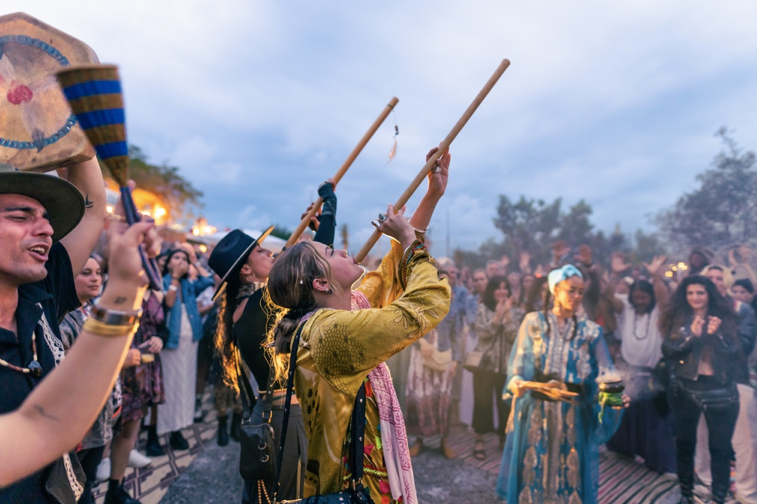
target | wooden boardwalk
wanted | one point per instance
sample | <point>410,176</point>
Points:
<point>622,480</point>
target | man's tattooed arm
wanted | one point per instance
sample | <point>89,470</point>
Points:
<point>45,414</point>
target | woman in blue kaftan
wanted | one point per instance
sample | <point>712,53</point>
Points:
<point>551,454</point>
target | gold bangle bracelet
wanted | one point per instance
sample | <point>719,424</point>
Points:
<point>101,329</point>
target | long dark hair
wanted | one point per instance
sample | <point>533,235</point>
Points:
<point>224,341</point>
<point>493,284</point>
<point>225,344</point>
<point>646,287</point>
<point>534,293</point>
<point>680,310</point>
<point>523,296</point>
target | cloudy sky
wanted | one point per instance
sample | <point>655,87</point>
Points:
<point>259,101</point>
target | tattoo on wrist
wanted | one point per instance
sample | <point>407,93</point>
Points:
<point>45,414</point>
<point>88,204</point>
<point>120,300</point>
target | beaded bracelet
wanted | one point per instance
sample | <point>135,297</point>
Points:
<point>94,326</point>
<point>416,246</point>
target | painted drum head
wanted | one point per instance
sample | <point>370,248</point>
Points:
<point>38,132</point>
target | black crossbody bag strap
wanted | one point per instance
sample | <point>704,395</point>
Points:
<point>248,395</point>
<point>358,424</point>
<point>287,405</point>
<point>356,443</point>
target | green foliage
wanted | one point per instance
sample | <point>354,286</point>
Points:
<point>164,181</point>
<point>528,225</point>
<point>281,232</point>
<point>720,213</point>
<point>533,226</point>
<point>723,210</point>
<point>646,246</point>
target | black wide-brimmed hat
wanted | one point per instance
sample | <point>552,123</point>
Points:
<point>62,200</point>
<point>230,253</point>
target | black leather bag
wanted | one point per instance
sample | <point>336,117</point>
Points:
<point>356,493</point>
<point>257,459</point>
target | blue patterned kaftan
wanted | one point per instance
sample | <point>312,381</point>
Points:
<point>551,454</point>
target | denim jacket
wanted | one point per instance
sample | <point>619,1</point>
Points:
<point>189,291</point>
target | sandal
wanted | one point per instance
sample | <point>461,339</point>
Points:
<point>416,448</point>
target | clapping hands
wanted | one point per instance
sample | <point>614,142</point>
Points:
<point>698,324</point>
<point>503,308</point>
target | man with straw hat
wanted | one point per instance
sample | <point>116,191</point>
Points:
<point>48,228</point>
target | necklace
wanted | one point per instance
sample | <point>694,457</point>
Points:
<point>646,331</point>
<point>564,328</point>
<point>34,367</point>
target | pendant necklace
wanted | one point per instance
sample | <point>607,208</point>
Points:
<point>34,368</point>
<point>646,331</point>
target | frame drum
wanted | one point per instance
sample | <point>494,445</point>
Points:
<point>38,132</point>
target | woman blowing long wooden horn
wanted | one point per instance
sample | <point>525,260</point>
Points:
<point>348,335</point>
<point>244,320</point>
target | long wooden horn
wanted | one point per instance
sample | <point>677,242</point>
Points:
<point>443,148</point>
<point>342,170</point>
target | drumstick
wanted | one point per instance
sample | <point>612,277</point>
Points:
<point>443,148</point>
<point>342,170</point>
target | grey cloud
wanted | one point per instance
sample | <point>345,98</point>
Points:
<point>611,102</point>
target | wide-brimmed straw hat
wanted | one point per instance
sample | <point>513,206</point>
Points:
<point>230,253</point>
<point>62,200</point>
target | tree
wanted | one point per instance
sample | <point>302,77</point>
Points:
<point>528,225</point>
<point>723,210</point>
<point>281,232</point>
<point>646,246</point>
<point>575,227</point>
<point>533,226</point>
<point>164,181</point>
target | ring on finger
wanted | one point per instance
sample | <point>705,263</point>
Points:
<point>381,218</point>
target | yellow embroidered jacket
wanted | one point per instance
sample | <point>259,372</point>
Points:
<point>338,348</point>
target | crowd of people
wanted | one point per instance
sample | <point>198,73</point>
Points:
<point>558,360</point>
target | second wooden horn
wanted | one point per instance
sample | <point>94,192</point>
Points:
<point>443,148</point>
<point>342,170</point>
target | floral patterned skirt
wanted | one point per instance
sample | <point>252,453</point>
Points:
<point>142,387</point>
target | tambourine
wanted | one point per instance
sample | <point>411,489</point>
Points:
<point>38,132</point>
<point>94,94</point>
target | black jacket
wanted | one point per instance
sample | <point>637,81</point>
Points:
<point>683,351</point>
